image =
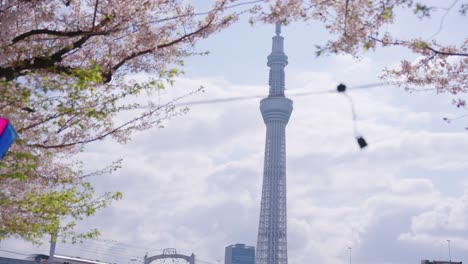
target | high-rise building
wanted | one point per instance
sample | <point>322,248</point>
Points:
<point>276,110</point>
<point>239,254</point>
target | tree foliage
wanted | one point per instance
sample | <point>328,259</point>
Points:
<point>62,69</point>
<point>360,25</point>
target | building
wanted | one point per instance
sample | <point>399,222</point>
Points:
<point>239,254</point>
<point>276,110</point>
<point>439,262</point>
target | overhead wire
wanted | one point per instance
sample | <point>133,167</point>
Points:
<point>85,249</point>
<point>122,244</point>
<point>300,94</point>
<point>110,246</point>
<point>95,246</point>
<point>14,252</point>
<point>204,261</point>
<point>207,12</point>
<point>102,250</point>
<point>341,88</point>
<point>448,120</point>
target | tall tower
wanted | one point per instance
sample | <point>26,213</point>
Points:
<point>276,110</point>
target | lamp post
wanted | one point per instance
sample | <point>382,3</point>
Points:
<point>53,242</point>
<point>450,255</point>
<point>349,248</point>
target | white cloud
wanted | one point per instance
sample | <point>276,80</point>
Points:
<point>447,219</point>
<point>195,185</point>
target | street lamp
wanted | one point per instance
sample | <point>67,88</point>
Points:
<point>349,248</point>
<point>53,243</point>
<point>450,255</point>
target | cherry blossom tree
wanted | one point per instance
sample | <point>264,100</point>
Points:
<point>62,83</point>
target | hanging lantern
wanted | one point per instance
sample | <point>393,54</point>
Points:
<point>362,142</point>
<point>341,88</point>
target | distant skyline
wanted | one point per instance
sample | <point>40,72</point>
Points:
<point>195,185</point>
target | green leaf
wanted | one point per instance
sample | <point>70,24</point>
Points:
<point>387,14</point>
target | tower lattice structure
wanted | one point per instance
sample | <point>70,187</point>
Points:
<point>276,110</point>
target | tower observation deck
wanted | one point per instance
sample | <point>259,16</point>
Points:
<point>276,110</point>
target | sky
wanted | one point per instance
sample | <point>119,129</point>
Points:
<point>195,185</point>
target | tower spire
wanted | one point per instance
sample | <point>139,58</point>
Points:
<point>278,28</point>
<point>277,60</point>
<point>272,247</point>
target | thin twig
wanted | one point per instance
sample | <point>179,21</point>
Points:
<point>346,17</point>
<point>95,11</point>
<point>443,19</point>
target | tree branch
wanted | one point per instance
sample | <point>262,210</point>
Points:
<point>446,53</point>
<point>346,17</point>
<point>104,135</point>
<point>438,52</point>
<point>169,107</point>
<point>95,12</point>
<point>49,62</point>
<point>68,34</point>
<point>108,76</point>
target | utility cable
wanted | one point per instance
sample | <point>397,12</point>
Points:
<point>206,12</point>
<point>13,252</point>
<point>104,248</point>
<point>98,252</point>
<point>448,120</point>
<point>300,94</point>
<point>204,261</point>
<point>341,89</point>
<point>126,245</point>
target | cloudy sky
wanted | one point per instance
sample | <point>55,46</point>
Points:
<point>195,185</point>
